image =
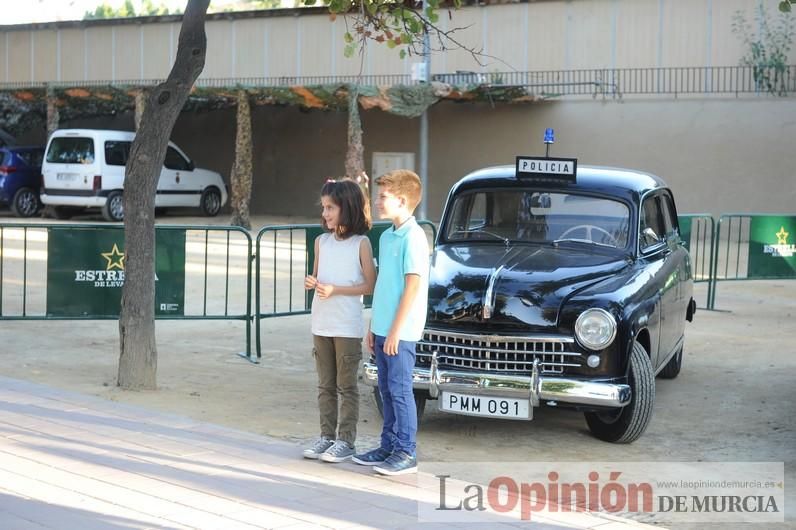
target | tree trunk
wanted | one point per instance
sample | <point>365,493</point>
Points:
<point>354,160</point>
<point>242,167</point>
<point>52,113</point>
<point>140,104</point>
<point>138,352</point>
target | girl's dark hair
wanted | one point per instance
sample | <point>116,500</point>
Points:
<point>354,207</point>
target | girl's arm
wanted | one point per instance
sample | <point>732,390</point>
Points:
<point>311,281</point>
<point>368,271</point>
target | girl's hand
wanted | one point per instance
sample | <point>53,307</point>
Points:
<point>310,282</point>
<point>324,290</point>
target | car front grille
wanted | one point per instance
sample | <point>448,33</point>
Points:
<point>497,353</point>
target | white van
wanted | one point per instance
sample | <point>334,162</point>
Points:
<point>84,168</point>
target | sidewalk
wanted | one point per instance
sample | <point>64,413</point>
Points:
<point>71,461</point>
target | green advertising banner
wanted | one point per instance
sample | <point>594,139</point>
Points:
<point>85,272</point>
<point>772,252</point>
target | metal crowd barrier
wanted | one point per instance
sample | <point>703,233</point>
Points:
<point>698,232</point>
<point>753,247</point>
<point>284,255</point>
<point>75,272</point>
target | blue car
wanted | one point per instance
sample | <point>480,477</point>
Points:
<point>20,179</point>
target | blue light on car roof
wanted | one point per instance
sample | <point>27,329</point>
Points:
<point>549,136</point>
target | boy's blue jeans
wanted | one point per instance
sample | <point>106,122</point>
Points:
<point>398,400</point>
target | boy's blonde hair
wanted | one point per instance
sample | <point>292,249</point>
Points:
<point>402,183</point>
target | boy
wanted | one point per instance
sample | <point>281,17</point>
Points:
<point>399,315</point>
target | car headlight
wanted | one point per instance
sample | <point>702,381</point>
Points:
<point>595,329</point>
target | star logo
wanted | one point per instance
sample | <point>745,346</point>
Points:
<point>782,236</point>
<point>115,258</point>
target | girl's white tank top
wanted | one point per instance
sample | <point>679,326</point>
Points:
<point>338,264</point>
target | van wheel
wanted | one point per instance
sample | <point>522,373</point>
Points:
<point>114,207</point>
<point>420,402</point>
<point>211,202</point>
<point>626,424</point>
<point>25,203</point>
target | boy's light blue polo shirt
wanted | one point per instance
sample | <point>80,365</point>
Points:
<point>401,252</point>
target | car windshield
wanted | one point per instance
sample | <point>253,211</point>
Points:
<point>538,216</point>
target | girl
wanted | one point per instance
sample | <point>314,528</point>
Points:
<point>343,271</point>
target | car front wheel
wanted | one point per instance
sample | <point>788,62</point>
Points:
<point>420,403</point>
<point>626,424</point>
<point>25,203</point>
<point>211,202</point>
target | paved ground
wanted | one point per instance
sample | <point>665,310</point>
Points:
<point>733,402</point>
<point>70,461</point>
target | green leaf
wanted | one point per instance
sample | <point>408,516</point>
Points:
<point>348,38</point>
<point>402,54</point>
<point>784,6</point>
<point>391,44</point>
<point>349,50</point>
<point>309,2</point>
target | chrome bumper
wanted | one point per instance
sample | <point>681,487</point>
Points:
<point>535,388</point>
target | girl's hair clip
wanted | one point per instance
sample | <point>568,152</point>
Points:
<point>330,180</point>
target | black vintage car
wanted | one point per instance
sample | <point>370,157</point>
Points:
<point>557,285</point>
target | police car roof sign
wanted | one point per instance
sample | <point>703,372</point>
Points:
<point>539,167</point>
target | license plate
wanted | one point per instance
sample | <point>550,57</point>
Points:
<point>65,177</point>
<point>494,407</point>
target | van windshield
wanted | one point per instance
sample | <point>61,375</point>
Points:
<point>71,150</point>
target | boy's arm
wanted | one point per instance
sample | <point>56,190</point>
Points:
<point>411,288</point>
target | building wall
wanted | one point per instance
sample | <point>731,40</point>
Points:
<point>537,35</point>
<point>717,155</point>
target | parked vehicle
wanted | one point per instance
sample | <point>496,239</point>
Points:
<point>20,179</point>
<point>555,284</point>
<point>84,168</point>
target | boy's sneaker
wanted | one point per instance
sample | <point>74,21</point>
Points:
<point>338,452</point>
<point>399,463</point>
<point>372,458</point>
<point>318,447</point>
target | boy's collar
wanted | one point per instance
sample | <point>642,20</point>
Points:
<point>404,226</point>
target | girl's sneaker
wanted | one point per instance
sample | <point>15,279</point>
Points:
<point>338,452</point>
<point>318,447</point>
<point>372,458</point>
<point>399,463</point>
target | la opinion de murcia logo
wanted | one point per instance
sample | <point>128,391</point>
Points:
<point>111,276</point>
<point>781,249</point>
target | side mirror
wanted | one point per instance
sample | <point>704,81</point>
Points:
<point>649,238</point>
<point>191,165</point>
<point>540,200</point>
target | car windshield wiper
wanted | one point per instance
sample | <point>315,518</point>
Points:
<point>580,240</point>
<point>505,240</point>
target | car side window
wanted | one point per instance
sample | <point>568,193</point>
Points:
<point>669,215</point>
<point>652,226</point>
<point>116,153</point>
<point>174,160</point>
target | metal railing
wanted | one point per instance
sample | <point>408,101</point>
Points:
<point>289,253</point>
<point>698,233</point>
<point>217,274</point>
<point>753,247</point>
<point>606,82</point>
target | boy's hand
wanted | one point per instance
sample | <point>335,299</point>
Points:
<point>370,340</point>
<point>391,344</point>
<point>324,290</point>
<point>310,282</point>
